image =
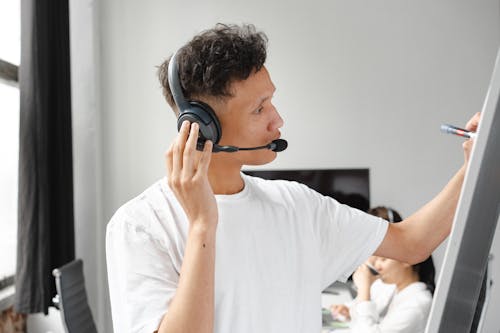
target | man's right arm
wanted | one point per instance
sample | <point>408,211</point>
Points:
<point>192,307</point>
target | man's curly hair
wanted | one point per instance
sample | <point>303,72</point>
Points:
<point>214,59</point>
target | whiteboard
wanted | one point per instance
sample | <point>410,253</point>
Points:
<point>474,225</point>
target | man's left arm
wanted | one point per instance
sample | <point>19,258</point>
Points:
<point>415,238</point>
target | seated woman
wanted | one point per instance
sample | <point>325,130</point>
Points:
<point>403,308</point>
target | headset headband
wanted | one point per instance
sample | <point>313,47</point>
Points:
<point>175,84</point>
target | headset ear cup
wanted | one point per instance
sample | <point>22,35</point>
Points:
<point>202,114</point>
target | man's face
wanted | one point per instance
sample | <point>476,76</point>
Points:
<point>249,118</point>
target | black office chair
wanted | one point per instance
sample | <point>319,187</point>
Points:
<point>71,298</point>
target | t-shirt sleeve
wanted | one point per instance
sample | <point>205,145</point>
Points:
<point>346,236</point>
<point>141,275</point>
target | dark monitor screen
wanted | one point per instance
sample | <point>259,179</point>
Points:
<point>347,186</point>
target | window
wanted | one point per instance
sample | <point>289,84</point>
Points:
<point>10,47</point>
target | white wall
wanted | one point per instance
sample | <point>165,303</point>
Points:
<point>359,84</point>
<point>87,153</point>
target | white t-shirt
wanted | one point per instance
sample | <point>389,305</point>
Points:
<point>278,245</point>
<point>406,312</point>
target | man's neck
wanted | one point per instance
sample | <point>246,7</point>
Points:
<point>224,176</point>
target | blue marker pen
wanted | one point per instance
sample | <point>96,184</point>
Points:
<point>449,129</point>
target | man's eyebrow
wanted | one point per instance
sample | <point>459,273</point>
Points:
<point>264,98</point>
<point>260,102</point>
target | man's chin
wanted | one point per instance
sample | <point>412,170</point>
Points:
<point>262,159</point>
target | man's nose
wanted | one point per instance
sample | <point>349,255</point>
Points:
<point>277,121</point>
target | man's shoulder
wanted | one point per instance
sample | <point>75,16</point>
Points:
<point>148,204</point>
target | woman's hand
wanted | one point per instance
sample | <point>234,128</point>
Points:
<point>340,312</point>
<point>363,279</point>
<point>187,173</point>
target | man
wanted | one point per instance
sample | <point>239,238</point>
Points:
<point>212,250</point>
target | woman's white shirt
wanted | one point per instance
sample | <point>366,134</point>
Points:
<point>407,312</point>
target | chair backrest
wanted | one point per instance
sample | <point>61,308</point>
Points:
<point>73,304</point>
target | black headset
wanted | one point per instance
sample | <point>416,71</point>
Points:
<point>202,113</point>
<point>193,111</point>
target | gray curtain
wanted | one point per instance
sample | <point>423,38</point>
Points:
<point>45,214</point>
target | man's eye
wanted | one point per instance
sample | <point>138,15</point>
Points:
<point>259,110</point>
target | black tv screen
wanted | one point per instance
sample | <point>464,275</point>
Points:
<point>348,186</point>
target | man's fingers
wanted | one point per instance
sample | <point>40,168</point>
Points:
<point>190,150</point>
<point>206,156</point>
<point>473,123</point>
<point>169,159</point>
<point>178,148</point>
<point>467,145</point>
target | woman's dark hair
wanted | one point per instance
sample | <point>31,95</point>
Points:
<point>426,273</point>
<point>425,270</point>
<point>214,59</point>
<point>386,213</point>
